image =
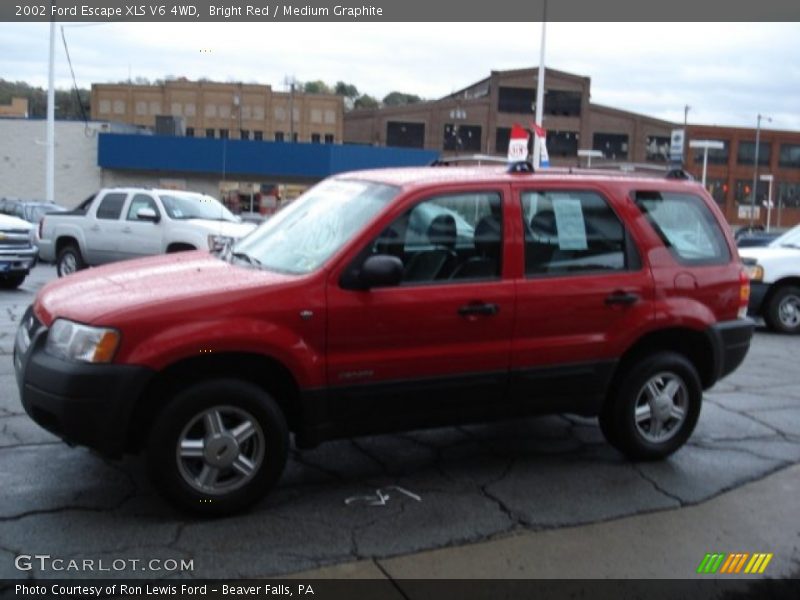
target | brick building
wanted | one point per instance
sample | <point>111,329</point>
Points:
<point>239,111</point>
<point>17,108</point>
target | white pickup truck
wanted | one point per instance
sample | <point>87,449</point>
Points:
<point>122,223</point>
<point>775,281</point>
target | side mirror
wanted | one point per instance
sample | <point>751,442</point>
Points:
<point>148,214</point>
<point>381,270</point>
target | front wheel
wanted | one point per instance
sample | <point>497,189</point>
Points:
<point>653,408</point>
<point>783,310</point>
<point>218,447</point>
<point>69,261</point>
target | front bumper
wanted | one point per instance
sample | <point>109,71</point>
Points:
<point>730,341</point>
<point>86,404</point>
<point>17,262</point>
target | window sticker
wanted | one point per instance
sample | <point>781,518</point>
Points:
<point>570,224</point>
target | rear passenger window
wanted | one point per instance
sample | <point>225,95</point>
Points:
<point>111,206</point>
<point>572,232</point>
<point>686,226</point>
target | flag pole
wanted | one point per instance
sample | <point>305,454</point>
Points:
<point>537,151</point>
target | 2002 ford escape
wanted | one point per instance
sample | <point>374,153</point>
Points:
<point>395,299</point>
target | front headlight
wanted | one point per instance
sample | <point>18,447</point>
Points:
<point>755,272</point>
<point>219,242</point>
<point>74,341</point>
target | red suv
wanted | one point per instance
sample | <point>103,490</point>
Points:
<point>390,300</point>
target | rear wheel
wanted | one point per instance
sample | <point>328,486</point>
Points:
<point>69,261</point>
<point>218,447</point>
<point>654,406</point>
<point>783,310</point>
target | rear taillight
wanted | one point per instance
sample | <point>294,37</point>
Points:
<point>744,293</point>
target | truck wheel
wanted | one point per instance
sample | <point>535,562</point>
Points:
<point>653,408</point>
<point>69,261</point>
<point>783,310</point>
<point>11,282</point>
<point>217,447</point>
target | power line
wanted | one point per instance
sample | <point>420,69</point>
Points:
<point>74,81</point>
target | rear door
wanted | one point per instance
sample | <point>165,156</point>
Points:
<point>584,295</point>
<point>437,344</point>
<point>103,230</point>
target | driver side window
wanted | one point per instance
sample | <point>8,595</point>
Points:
<point>447,238</point>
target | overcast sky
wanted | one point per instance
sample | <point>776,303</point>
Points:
<point>726,72</point>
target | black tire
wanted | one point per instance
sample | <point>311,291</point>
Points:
<point>783,310</point>
<point>676,391</point>
<point>69,261</point>
<point>181,479</point>
<point>11,282</point>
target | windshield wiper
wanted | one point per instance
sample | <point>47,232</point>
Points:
<point>247,258</point>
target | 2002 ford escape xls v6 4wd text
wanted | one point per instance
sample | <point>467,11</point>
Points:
<point>395,299</point>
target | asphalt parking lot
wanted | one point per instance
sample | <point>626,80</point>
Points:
<point>391,495</point>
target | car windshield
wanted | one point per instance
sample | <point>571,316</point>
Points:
<point>195,206</point>
<point>301,237</point>
<point>791,238</point>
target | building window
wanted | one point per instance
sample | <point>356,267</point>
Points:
<point>715,157</point>
<point>223,134</point>
<point>104,107</point>
<point>296,115</point>
<point>316,115</point>
<point>258,135</point>
<point>657,148</point>
<point>294,136</point>
<point>328,138</point>
<point>789,156</point>
<point>562,103</point>
<point>747,153</point>
<point>315,138</point>
<point>788,195</point>
<point>190,132</point>
<point>330,117</point>
<point>516,100</point>
<point>258,113</point>
<point>189,109</point>
<point>119,107</point>
<point>211,110</point>
<point>280,113</point>
<point>141,108</point>
<point>244,134</point>
<point>614,146</point>
<point>562,143</point>
<point>224,111</point>
<point>209,133</point>
<point>744,188</point>
<point>462,137</point>
<point>718,188</point>
<point>155,108</point>
<point>405,135</point>
<point>279,136</point>
<point>177,109</point>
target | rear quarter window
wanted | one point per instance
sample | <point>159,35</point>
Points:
<point>686,226</point>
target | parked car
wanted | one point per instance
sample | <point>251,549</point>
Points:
<point>29,210</point>
<point>17,252</point>
<point>774,272</point>
<point>530,293</point>
<point>747,237</point>
<point>123,223</point>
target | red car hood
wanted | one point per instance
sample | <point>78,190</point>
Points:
<point>91,295</point>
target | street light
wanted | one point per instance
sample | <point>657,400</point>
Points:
<point>768,177</point>
<point>755,166</point>
<point>706,145</point>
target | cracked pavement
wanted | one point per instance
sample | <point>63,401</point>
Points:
<point>476,482</point>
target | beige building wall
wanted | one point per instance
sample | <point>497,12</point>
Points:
<point>242,111</point>
<point>17,108</point>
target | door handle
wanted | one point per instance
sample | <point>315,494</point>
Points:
<point>126,230</point>
<point>622,297</point>
<point>95,227</point>
<point>479,308</point>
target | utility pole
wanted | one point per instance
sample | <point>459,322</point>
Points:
<point>537,149</point>
<point>755,167</point>
<point>50,161</point>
